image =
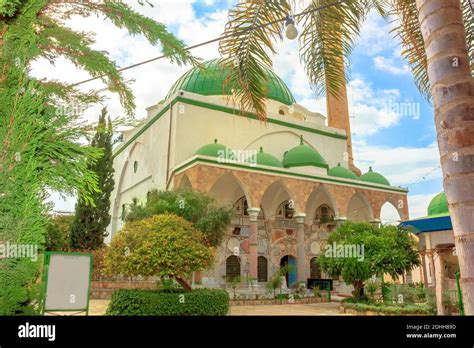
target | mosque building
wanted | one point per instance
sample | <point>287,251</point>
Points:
<point>290,179</point>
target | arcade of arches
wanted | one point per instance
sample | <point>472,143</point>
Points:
<point>279,220</point>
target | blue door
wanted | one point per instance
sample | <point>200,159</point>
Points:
<point>292,275</point>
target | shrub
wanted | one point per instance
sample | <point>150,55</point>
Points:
<point>133,302</point>
<point>163,245</point>
<point>17,291</point>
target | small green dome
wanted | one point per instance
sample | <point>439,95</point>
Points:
<point>303,155</point>
<point>216,150</point>
<point>209,80</point>
<point>438,205</point>
<point>265,159</point>
<point>374,177</point>
<point>342,172</point>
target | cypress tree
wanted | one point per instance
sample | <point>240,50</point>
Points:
<point>90,222</point>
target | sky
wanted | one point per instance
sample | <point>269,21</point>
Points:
<point>392,124</point>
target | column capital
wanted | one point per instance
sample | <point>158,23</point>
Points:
<point>253,213</point>
<point>300,217</point>
<point>375,222</point>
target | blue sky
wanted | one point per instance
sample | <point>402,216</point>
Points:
<point>401,146</point>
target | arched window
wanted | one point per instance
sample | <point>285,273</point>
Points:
<point>262,269</point>
<point>324,214</point>
<point>135,166</point>
<point>232,267</point>
<point>286,210</point>
<point>241,207</point>
<point>314,269</point>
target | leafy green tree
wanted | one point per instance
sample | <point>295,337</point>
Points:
<point>41,135</point>
<point>194,206</point>
<point>163,245</point>
<point>90,222</point>
<point>386,250</point>
<point>58,233</point>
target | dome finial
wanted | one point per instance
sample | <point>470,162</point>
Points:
<point>370,169</point>
<point>215,141</point>
<point>301,140</point>
<point>261,149</point>
<point>338,164</point>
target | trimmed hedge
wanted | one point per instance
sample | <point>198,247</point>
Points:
<point>391,310</point>
<point>158,302</point>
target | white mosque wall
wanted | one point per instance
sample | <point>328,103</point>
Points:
<point>198,126</point>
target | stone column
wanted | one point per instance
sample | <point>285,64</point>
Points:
<point>300,248</point>
<point>432,266</point>
<point>339,220</point>
<point>440,284</point>
<point>424,277</point>
<point>253,257</point>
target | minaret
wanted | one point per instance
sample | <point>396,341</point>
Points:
<point>338,117</point>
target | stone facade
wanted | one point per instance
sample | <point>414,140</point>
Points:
<point>268,235</point>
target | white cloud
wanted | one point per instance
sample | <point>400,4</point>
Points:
<point>418,204</point>
<point>402,165</point>
<point>391,65</point>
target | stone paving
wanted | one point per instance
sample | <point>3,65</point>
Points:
<point>98,307</point>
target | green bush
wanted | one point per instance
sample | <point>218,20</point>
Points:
<point>18,293</point>
<point>157,302</point>
<point>391,309</point>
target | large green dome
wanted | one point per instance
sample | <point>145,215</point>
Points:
<point>438,205</point>
<point>210,81</point>
<point>342,172</point>
<point>216,150</point>
<point>265,159</point>
<point>303,155</point>
<point>374,177</point>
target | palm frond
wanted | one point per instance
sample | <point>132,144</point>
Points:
<point>327,40</point>
<point>245,47</point>
<point>408,30</point>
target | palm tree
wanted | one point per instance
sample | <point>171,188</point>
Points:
<point>437,36</point>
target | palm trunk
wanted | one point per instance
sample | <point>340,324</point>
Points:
<point>452,88</point>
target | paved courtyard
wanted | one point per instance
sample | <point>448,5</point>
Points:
<point>98,307</point>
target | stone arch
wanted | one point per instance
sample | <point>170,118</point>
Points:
<point>117,203</point>
<point>227,189</point>
<point>359,208</point>
<point>185,183</point>
<point>389,214</point>
<point>319,196</point>
<point>274,195</point>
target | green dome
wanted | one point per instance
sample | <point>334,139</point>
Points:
<point>216,150</point>
<point>342,172</point>
<point>265,159</point>
<point>374,177</point>
<point>210,81</point>
<point>438,205</point>
<point>303,155</point>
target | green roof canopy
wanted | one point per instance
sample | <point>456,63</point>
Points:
<point>265,159</point>
<point>438,205</point>
<point>303,155</point>
<point>374,177</point>
<point>342,172</point>
<point>216,150</point>
<point>209,80</point>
